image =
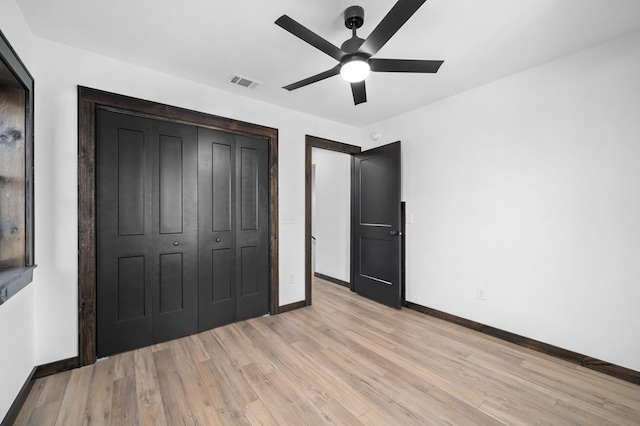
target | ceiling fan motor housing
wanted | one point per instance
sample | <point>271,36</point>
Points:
<point>354,17</point>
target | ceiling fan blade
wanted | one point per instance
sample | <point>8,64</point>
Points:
<point>390,24</point>
<point>305,34</point>
<point>359,92</point>
<point>404,65</point>
<point>314,79</point>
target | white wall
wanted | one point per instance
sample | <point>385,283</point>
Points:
<point>331,223</point>
<point>52,303</point>
<point>529,186</point>
<point>61,69</point>
<point>17,352</point>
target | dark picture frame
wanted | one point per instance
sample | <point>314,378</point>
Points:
<point>16,173</point>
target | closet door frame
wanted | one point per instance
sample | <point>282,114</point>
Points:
<point>89,100</point>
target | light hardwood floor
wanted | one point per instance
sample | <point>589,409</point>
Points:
<point>344,360</point>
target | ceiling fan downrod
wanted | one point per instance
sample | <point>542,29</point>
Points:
<point>353,19</point>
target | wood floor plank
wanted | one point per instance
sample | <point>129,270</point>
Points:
<point>176,407</point>
<point>285,359</point>
<point>37,409</point>
<point>224,405</point>
<point>124,406</point>
<point>258,414</point>
<point>344,360</point>
<point>98,411</point>
<point>577,413</point>
<point>163,360</point>
<point>339,414</point>
<point>196,389</point>
<point>54,388</point>
<point>312,380</point>
<point>30,403</point>
<point>196,349</point>
<point>124,365</point>
<point>276,403</point>
<point>45,415</point>
<point>362,385</point>
<point>149,399</point>
<point>228,342</point>
<point>306,409</point>
<point>372,417</point>
<point>246,345</point>
<point>223,368</point>
<point>521,414</point>
<point>72,409</point>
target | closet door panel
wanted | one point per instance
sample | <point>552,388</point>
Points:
<point>216,223</point>
<point>171,184</point>
<point>146,231</point>
<point>124,233</point>
<point>175,224</point>
<point>131,181</point>
<point>252,236</point>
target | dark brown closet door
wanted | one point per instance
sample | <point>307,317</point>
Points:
<point>233,228</point>
<point>146,231</point>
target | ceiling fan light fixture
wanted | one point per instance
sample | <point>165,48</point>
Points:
<point>355,69</point>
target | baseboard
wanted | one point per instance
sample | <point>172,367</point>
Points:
<point>291,307</point>
<point>332,280</point>
<point>14,410</point>
<point>57,367</point>
<point>613,370</point>
<point>37,372</point>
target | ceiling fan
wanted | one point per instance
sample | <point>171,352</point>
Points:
<point>355,54</point>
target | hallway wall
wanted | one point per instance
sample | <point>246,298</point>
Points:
<point>332,227</point>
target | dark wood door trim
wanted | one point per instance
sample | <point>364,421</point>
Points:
<point>310,143</point>
<point>88,101</point>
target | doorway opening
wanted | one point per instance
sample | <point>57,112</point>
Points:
<point>377,221</point>
<point>311,143</point>
<point>331,216</point>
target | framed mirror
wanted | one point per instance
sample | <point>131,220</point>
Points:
<point>16,173</point>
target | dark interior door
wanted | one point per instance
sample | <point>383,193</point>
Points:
<point>146,231</point>
<point>233,228</point>
<point>377,247</point>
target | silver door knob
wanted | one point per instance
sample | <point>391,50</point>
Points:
<point>176,243</point>
<point>395,233</point>
<point>217,240</point>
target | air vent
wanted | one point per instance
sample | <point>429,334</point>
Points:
<point>244,81</point>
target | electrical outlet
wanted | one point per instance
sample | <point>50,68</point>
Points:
<point>292,278</point>
<point>481,293</point>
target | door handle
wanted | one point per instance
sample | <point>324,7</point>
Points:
<point>176,243</point>
<point>395,233</point>
<point>217,240</point>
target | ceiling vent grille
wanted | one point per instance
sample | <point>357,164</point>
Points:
<point>239,80</point>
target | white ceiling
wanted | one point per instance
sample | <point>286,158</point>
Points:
<point>209,40</point>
